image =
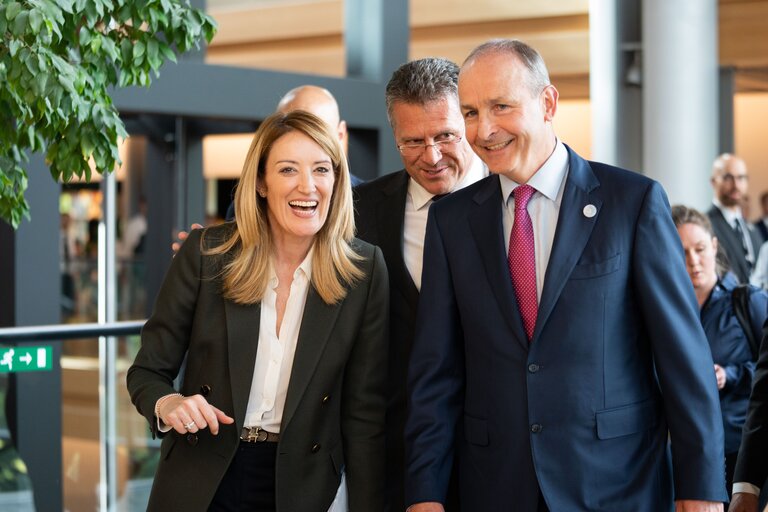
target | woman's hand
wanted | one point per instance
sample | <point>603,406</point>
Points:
<point>191,413</point>
<point>720,374</point>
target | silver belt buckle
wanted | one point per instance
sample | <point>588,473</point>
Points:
<point>256,435</point>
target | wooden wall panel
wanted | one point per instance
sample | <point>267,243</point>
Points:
<point>451,12</point>
<point>307,36</point>
<point>278,21</point>
<point>316,55</point>
<point>744,33</point>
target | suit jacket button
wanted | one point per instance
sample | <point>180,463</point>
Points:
<point>533,368</point>
<point>192,439</point>
<point>536,428</point>
<point>326,398</point>
<point>205,390</point>
<point>315,448</point>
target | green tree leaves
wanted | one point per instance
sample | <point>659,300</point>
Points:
<point>57,60</point>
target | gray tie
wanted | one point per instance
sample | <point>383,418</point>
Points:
<point>746,243</point>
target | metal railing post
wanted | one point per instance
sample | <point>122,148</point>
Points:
<point>107,306</point>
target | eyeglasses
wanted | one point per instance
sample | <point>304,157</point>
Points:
<point>446,143</point>
<point>734,177</point>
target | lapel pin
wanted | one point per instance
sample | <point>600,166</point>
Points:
<point>589,211</point>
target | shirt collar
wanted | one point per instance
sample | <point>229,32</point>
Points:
<point>547,180</point>
<point>730,215</point>
<point>421,197</point>
<point>304,269</point>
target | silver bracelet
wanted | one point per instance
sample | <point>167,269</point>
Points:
<point>163,399</point>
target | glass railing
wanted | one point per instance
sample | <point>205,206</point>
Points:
<point>108,456</point>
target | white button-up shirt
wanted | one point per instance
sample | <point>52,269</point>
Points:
<point>274,357</point>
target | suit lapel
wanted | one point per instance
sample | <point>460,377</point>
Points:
<point>571,235</point>
<point>316,327</point>
<point>390,218</point>
<point>487,228</point>
<point>242,338</point>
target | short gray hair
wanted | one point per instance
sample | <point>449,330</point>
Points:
<point>422,81</point>
<point>537,69</point>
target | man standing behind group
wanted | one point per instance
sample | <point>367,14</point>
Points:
<point>558,342</point>
<point>423,109</point>
<point>737,237</point>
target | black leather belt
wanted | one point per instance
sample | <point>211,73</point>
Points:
<point>258,435</point>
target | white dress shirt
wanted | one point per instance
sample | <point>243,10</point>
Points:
<point>417,205</point>
<point>543,207</point>
<point>274,356</point>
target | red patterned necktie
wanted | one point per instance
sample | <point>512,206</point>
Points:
<point>522,259</point>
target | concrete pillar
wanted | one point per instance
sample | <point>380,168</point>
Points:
<point>680,96</point>
<point>726,93</point>
<point>616,97</point>
<point>376,38</point>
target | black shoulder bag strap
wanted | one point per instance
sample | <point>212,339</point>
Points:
<point>740,303</point>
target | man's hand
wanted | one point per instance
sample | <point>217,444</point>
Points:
<point>698,506</point>
<point>175,246</point>
<point>743,502</point>
<point>720,375</point>
<point>429,506</point>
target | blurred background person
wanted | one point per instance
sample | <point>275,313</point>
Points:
<point>282,316</point>
<point>761,224</point>
<point>739,241</point>
<point>760,272</point>
<point>68,252</point>
<point>132,242</point>
<point>731,351</point>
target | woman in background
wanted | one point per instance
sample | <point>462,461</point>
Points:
<point>283,318</point>
<point>731,352</point>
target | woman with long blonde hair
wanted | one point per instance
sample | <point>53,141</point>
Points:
<point>283,317</point>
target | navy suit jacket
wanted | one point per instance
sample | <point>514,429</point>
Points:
<point>730,349</point>
<point>580,415</point>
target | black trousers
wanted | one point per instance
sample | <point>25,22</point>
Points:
<point>249,483</point>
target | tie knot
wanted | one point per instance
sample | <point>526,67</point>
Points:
<point>523,194</point>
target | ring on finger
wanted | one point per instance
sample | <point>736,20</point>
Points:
<point>189,425</point>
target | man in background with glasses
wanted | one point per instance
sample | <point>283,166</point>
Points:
<point>737,237</point>
<point>391,212</point>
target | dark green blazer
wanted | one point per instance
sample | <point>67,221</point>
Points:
<point>335,407</point>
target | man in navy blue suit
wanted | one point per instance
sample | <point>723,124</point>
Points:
<point>558,355</point>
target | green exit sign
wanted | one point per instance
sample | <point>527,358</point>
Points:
<point>25,359</point>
